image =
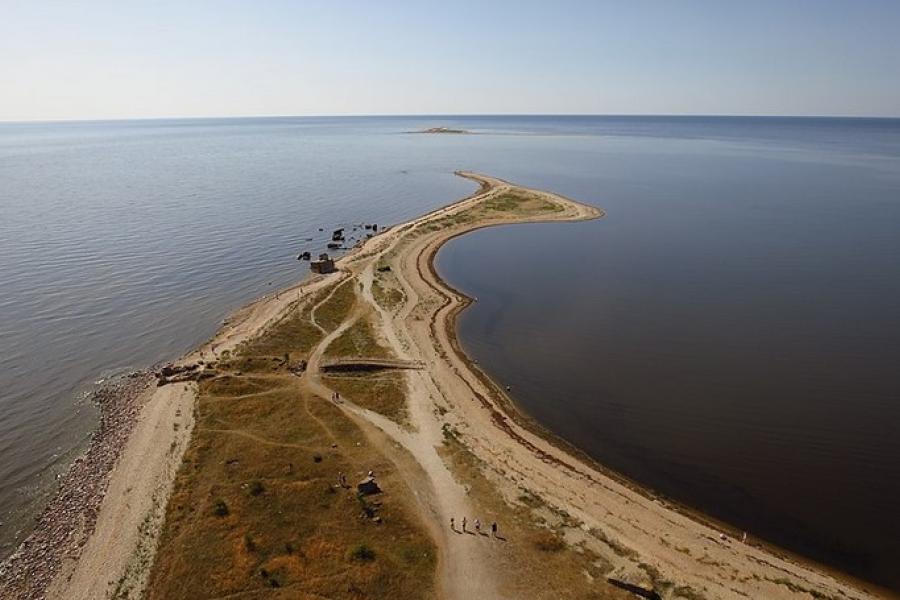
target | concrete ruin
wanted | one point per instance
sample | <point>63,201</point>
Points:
<point>368,487</point>
<point>323,265</point>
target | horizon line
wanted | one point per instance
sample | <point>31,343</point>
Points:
<point>443,115</point>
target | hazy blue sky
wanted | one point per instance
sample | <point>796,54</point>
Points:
<point>111,59</point>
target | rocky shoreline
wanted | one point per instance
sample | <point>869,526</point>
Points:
<point>66,523</point>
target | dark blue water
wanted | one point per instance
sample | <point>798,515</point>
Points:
<point>727,334</point>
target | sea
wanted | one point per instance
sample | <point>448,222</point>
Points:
<point>728,335</point>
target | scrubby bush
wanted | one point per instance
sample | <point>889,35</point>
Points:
<point>547,541</point>
<point>362,553</point>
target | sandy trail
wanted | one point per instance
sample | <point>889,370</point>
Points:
<point>464,563</point>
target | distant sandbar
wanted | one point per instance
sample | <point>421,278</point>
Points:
<point>442,130</point>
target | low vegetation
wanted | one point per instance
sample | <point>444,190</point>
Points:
<point>293,334</point>
<point>358,341</point>
<point>518,203</point>
<point>257,509</point>
<point>508,204</point>
<point>383,392</point>
<point>332,312</point>
<point>387,292</point>
<point>254,512</point>
<point>548,541</point>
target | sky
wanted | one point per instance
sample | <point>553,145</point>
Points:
<point>87,59</point>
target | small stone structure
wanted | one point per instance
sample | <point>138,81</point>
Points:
<point>367,487</point>
<point>323,265</point>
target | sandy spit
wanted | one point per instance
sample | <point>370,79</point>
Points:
<point>98,536</point>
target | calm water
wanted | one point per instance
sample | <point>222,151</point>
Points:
<point>727,334</point>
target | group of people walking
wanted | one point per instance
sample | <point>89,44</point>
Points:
<point>476,524</point>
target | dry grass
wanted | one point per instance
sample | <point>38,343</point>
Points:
<point>387,292</point>
<point>383,392</point>
<point>293,334</point>
<point>335,309</point>
<point>358,341</point>
<point>281,345</point>
<point>255,510</point>
<point>518,203</point>
<point>511,204</point>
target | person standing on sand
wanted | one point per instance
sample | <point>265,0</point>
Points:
<point>452,524</point>
<point>464,521</point>
<point>477,526</point>
<point>494,529</point>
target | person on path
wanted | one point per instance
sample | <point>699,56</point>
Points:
<point>477,526</point>
<point>464,521</point>
<point>494,529</point>
<point>452,524</point>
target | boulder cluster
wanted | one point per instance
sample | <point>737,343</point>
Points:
<point>181,373</point>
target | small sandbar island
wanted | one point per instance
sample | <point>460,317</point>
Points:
<point>333,440</point>
<point>443,130</point>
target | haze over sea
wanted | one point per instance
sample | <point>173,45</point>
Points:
<point>728,334</point>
